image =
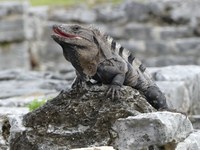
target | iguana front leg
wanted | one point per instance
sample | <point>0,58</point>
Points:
<point>78,82</point>
<point>114,77</point>
<point>115,87</point>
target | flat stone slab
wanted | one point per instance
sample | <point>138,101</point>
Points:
<point>15,83</point>
<point>13,110</point>
<point>192,142</point>
<point>195,119</point>
<point>96,148</point>
<point>14,55</point>
<point>177,95</point>
<point>190,75</point>
<point>157,128</point>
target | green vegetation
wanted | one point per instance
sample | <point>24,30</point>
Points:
<point>53,2</point>
<point>36,104</point>
<point>5,44</point>
<point>70,2</point>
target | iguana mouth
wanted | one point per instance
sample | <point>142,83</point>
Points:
<point>64,34</point>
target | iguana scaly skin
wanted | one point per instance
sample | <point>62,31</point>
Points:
<point>97,56</point>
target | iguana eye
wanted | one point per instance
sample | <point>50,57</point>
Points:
<point>76,28</point>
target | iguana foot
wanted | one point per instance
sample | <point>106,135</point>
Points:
<point>78,83</point>
<point>114,92</point>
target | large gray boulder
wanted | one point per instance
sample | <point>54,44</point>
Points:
<point>190,75</point>
<point>85,117</point>
<point>14,55</point>
<point>29,83</point>
<point>13,21</point>
<point>144,130</point>
<point>77,119</point>
<point>191,142</point>
<point>176,94</point>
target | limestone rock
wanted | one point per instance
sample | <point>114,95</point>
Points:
<point>13,110</point>
<point>190,75</point>
<point>176,94</point>
<point>14,55</point>
<point>157,128</point>
<point>96,148</point>
<point>13,22</point>
<point>79,14</point>
<point>23,83</point>
<point>188,46</point>
<point>12,8</point>
<point>169,60</point>
<point>75,120</point>
<point>115,14</point>
<point>195,119</point>
<point>133,8</point>
<point>12,30</point>
<point>192,142</point>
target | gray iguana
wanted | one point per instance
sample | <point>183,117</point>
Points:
<point>97,56</point>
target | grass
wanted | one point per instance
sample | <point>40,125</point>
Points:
<point>70,2</point>
<point>55,2</point>
<point>36,104</point>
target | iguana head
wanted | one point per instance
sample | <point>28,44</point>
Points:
<point>81,46</point>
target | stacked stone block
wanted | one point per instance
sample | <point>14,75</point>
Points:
<point>14,49</point>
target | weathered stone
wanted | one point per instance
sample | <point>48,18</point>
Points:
<point>168,60</point>
<point>74,120</point>
<point>157,128</point>
<point>139,31</point>
<point>190,75</point>
<point>115,14</point>
<point>21,83</point>
<point>46,54</point>
<point>36,21</point>
<point>192,142</point>
<point>195,25</point>
<point>96,148</point>
<point>188,46</point>
<point>169,33</point>
<point>116,32</point>
<point>12,8</point>
<point>134,46</point>
<point>79,14</point>
<point>23,101</point>
<point>4,133</point>
<point>195,119</point>
<point>176,94</point>
<point>14,55</point>
<point>133,8</point>
<point>159,47</point>
<point>185,12</point>
<point>13,22</point>
<point>13,110</point>
<point>52,51</point>
<point>12,30</point>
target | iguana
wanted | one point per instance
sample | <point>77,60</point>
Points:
<point>97,56</point>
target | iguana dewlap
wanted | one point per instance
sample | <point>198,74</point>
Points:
<point>97,56</point>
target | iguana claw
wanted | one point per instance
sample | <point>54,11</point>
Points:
<point>114,92</point>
